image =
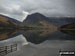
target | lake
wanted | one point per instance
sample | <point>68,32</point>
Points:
<point>35,42</point>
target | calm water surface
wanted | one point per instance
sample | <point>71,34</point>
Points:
<point>36,42</point>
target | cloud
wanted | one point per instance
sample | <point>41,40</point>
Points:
<point>15,8</point>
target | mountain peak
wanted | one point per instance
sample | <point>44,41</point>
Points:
<point>34,18</point>
<point>37,14</point>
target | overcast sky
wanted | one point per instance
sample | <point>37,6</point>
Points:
<point>19,9</point>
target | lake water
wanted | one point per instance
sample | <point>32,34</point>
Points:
<point>35,42</point>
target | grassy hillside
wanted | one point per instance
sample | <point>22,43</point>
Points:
<point>68,29</point>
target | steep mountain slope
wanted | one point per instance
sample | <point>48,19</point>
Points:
<point>36,19</point>
<point>7,22</point>
<point>3,17</point>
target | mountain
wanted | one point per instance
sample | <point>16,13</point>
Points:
<point>60,21</point>
<point>36,19</point>
<point>68,29</point>
<point>39,19</point>
<point>10,19</point>
<point>8,23</point>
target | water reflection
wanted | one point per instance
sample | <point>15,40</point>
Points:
<point>7,49</point>
<point>36,36</point>
<point>5,34</point>
<point>49,41</point>
<point>39,36</point>
<point>68,29</point>
<point>12,45</point>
